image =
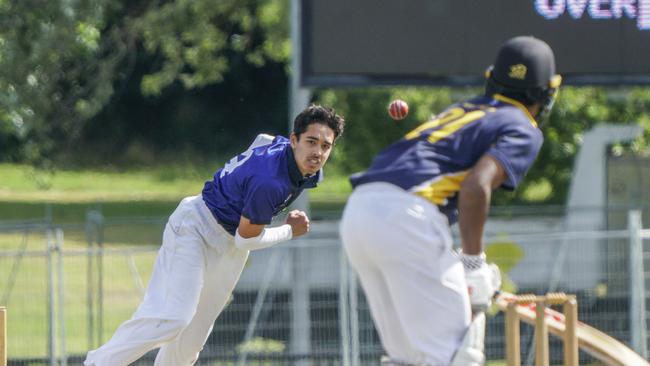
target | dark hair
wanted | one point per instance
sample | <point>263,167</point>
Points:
<point>318,114</point>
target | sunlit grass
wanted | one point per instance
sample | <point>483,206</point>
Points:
<point>66,195</point>
<point>24,183</point>
<point>25,286</point>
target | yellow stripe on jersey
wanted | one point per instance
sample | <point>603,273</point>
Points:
<point>518,105</point>
<point>443,118</point>
<point>451,121</point>
<point>441,188</point>
<point>454,126</point>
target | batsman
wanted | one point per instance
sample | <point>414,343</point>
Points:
<point>396,224</point>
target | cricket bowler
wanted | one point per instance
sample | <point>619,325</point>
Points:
<point>208,238</point>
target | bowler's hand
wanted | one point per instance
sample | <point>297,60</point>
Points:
<point>299,222</point>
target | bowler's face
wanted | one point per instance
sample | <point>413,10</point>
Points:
<point>313,148</point>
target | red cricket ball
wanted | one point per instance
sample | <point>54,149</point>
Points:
<point>398,109</point>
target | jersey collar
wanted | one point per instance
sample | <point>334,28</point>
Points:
<point>297,180</point>
<point>517,104</point>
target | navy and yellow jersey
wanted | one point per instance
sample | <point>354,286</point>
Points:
<point>256,184</point>
<point>432,160</point>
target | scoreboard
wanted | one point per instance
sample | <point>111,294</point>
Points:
<point>451,42</point>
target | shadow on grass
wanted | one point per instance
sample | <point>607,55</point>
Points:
<point>126,222</point>
<point>63,213</point>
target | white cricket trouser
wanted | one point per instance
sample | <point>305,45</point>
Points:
<point>195,272</point>
<point>400,245</point>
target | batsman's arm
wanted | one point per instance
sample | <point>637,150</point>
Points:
<point>474,202</point>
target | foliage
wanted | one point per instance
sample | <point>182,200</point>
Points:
<point>506,255</point>
<point>259,345</point>
<point>62,61</point>
<point>578,109</point>
<point>57,66</point>
<point>368,126</point>
<point>92,77</point>
<point>195,38</point>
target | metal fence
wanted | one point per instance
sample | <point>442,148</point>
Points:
<point>67,287</point>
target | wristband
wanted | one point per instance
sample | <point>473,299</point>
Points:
<point>472,262</point>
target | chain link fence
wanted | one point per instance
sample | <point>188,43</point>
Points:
<point>67,287</point>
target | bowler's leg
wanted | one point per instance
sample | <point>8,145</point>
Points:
<point>169,304</point>
<point>222,274</point>
<point>132,340</point>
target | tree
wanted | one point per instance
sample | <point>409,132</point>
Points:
<point>56,70</point>
<point>578,109</point>
<point>195,38</point>
<point>61,61</point>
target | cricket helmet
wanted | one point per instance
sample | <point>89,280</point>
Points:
<point>525,68</point>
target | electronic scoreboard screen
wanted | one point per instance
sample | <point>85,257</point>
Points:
<point>451,42</point>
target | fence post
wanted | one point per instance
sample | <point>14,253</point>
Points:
<point>89,283</point>
<point>3,336</point>
<point>61,297</point>
<point>638,333</point>
<point>354,318</point>
<point>100,274</point>
<point>349,313</point>
<point>344,309</point>
<point>51,324</point>
<point>300,319</point>
<point>94,276</point>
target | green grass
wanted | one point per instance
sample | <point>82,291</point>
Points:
<point>22,183</point>
<point>75,212</point>
<point>65,196</point>
<point>26,184</point>
<point>27,293</point>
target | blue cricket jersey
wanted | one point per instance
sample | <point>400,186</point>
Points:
<point>432,160</point>
<point>256,184</point>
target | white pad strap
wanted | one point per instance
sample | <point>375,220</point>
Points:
<point>267,238</point>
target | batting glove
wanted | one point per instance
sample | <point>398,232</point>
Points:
<point>483,280</point>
